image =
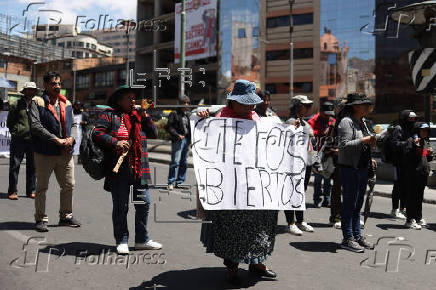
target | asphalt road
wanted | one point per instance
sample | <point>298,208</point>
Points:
<point>83,258</point>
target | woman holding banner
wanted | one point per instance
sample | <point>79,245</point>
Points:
<point>240,236</point>
<point>300,108</point>
<point>354,160</point>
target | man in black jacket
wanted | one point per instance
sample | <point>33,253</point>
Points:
<point>18,124</point>
<point>52,127</point>
<point>402,144</point>
<point>179,129</point>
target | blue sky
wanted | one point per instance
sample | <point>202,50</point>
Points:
<point>69,10</point>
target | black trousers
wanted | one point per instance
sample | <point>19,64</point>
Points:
<point>298,214</point>
<point>415,198</point>
<point>400,189</point>
<point>19,147</point>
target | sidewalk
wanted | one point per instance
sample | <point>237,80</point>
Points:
<point>160,152</point>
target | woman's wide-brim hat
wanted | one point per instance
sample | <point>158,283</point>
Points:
<point>357,99</point>
<point>244,92</point>
<point>119,92</point>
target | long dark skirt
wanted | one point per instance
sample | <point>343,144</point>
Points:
<point>242,236</point>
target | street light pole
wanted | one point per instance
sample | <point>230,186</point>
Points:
<point>182,51</point>
<point>127,56</point>
<point>291,50</point>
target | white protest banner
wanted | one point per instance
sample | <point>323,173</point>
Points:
<point>201,30</point>
<point>244,164</point>
<point>5,136</point>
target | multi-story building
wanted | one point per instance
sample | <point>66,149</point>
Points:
<point>70,38</point>
<point>117,40</point>
<point>237,46</point>
<point>275,47</point>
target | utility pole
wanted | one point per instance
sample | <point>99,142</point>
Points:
<point>182,51</point>
<point>291,50</point>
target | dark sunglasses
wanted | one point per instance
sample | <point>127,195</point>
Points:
<point>55,83</point>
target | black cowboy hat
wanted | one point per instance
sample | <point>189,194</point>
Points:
<point>118,93</point>
<point>357,99</point>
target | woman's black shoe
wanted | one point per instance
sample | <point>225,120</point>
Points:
<point>266,273</point>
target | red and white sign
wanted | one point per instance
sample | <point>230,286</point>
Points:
<point>201,29</point>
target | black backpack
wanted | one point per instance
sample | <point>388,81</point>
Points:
<point>92,157</point>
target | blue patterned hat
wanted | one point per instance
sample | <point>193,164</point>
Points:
<point>244,92</point>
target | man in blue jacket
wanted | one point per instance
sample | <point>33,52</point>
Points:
<point>52,125</point>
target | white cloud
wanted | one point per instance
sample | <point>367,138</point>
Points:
<point>70,9</point>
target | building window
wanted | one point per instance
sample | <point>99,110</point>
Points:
<point>40,28</point>
<point>81,44</point>
<point>277,54</point>
<point>299,53</point>
<point>73,54</point>
<point>86,55</point>
<point>241,33</point>
<point>61,44</point>
<point>104,79</point>
<point>303,19</point>
<point>79,54</point>
<point>87,45</point>
<point>255,31</point>
<point>304,87</point>
<point>82,81</point>
<point>68,43</point>
<point>53,28</point>
<point>297,19</point>
<point>93,46</point>
<point>121,77</point>
<point>277,21</point>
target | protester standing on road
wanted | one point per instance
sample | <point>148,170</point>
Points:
<point>52,127</point>
<point>125,129</point>
<point>402,143</point>
<point>354,159</point>
<point>300,108</point>
<point>21,143</point>
<point>241,236</point>
<point>321,124</point>
<point>179,128</point>
<point>422,155</point>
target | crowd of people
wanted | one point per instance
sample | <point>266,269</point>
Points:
<point>339,156</point>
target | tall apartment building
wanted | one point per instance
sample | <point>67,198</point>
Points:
<point>117,40</point>
<point>70,38</point>
<point>275,44</point>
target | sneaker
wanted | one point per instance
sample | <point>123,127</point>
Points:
<point>305,227</point>
<point>13,196</point>
<point>422,223</point>
<point>69,222</point>
<point>41,226</point>
<point>351,245</point>
<point>150,245</point>
<point>123,248</point>
<point>293,229</point>
<point>412,224</point>
<point>31,195</point>
<point>317,204</point>
<point>396,213</point>
<point>170,186</point>
<point>337,225</point>
<point>364,243</point>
